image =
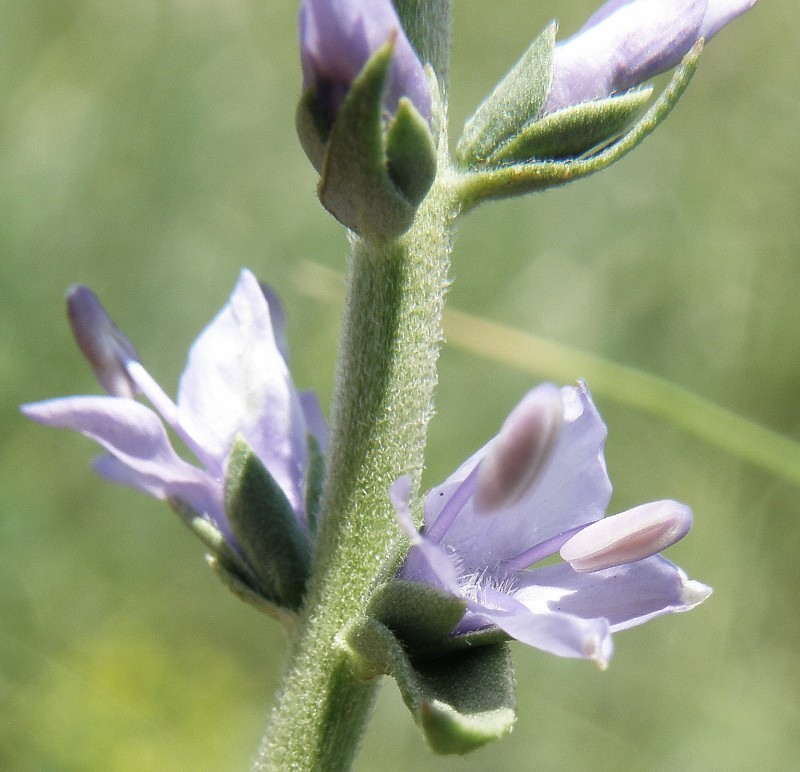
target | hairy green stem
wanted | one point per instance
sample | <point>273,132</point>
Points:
<point>383,401</point>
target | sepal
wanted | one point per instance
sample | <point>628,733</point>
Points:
<point>515,101</point>
<point>266,528</point>
<point>312,128</point>
<point>410,152</point>
<point>419,614</point>
<point>460,702</point>
<point>572,131</point>
<point>215,542</point>
<point>372,177</point>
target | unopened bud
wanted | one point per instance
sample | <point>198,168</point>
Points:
<point>105,347</point>
<point>627,537</point>
<point>520,450</point>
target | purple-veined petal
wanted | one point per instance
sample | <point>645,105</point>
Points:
<point>626,595</point>
<point>573,489</point>
<point>236,381</point>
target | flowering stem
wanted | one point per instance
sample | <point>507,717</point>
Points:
<point>383,401</point>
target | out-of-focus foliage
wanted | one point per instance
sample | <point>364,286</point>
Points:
<point>147,149</point>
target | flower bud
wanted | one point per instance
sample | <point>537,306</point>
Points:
<point>627,537</point>
<point>105,347</point>
<point>365,116</point>
<point>521,449</point>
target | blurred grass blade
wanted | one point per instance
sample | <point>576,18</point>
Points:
<point>724,429</point>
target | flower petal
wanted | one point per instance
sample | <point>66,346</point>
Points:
<point>103,344</point>
<point>565,635</point>
<point>426,561</point>
<point>236,381</point>
<point>627,537</point>
<point>336,39</point>
<point>520,451</point>
<point>623,44</point>
<point>573,489</point>
<point>196,489</point>
<point>315,419</point>
<point>721,12</point>
<point>626,595</point>
<point>134,435</point>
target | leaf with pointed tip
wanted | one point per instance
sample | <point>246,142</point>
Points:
<point>355,185</point>
<point>517,99</point>
<point>266,528</point>
<point>410,152</point>
<point>572,131</point>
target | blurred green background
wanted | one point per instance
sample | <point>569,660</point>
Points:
<point>147,149</point>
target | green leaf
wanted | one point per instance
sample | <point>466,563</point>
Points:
<point>419,614</point>
<point>410,152</point>
<point>573,130</point>
<point>517,99</point>
<point>460,701</point>
<point>266,528</point>
<point>355,185</point>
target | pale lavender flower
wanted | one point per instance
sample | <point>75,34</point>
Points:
<point>483,545</point>
<point>628,41</point>
<point>337,37</point>
<point>236,382</point>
